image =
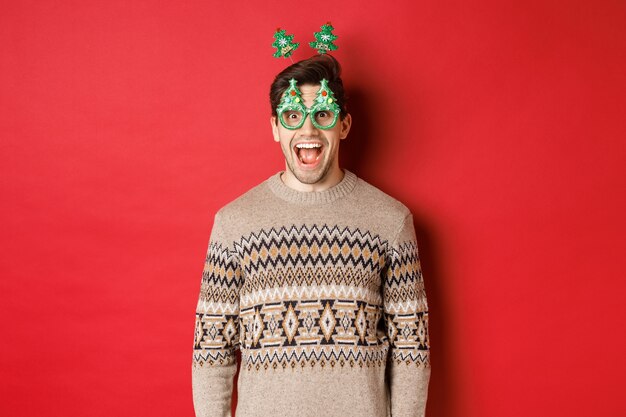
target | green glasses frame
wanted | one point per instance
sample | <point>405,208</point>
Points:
<point>324,101</point>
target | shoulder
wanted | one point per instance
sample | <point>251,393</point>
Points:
<point>231,217</point>
<point>244,204</point>
<point>379,201</point>
<point>378,211</point>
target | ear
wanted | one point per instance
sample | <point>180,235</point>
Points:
<point>345,126</point>
<point>274,124</point>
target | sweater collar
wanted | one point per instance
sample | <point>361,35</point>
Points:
<point>343,188</point>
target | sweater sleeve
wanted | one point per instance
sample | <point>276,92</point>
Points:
<point>406,318</point>
<point>217,329</point>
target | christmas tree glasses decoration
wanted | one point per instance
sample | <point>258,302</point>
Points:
<point>292,112</point>
<point>284,44</point>
<point>324,39</point>
<point>291,106</point>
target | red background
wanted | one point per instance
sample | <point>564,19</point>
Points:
<point>126,124</point>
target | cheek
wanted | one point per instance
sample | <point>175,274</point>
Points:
<point>333,140</point>
<point>285,141</point>
<point>282,135</point>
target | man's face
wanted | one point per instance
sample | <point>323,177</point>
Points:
<point>311,154</point>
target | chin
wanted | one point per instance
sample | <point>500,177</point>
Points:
<point>310,177</point>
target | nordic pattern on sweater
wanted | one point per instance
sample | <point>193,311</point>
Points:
<point>311,297</point>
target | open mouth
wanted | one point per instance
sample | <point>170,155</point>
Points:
<point>308,153</point>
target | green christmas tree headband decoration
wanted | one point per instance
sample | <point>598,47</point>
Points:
<point>284,44</point>
<point>324,39</point>
<point>292,112</point>
<point>323,42</point>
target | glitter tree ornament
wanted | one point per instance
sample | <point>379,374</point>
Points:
<point>284,44</point>
<point>291,101</point>
<point>324,39</point>
<point>325,101</point>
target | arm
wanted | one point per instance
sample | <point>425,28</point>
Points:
<point>217,329</point>
<point>406,317</point>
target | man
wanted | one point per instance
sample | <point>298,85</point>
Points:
<point>315,276</point>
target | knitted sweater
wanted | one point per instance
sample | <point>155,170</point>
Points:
<point>323,294</point>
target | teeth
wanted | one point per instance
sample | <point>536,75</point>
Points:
<point>308,145</point>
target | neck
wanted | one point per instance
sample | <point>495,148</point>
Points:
<point>332,178</point>
<point>281,190</point>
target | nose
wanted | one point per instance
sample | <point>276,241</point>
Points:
<point>308,129</point>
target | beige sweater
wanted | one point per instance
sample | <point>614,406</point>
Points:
<point>323,294</point>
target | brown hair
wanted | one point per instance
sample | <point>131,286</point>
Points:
<point>310,71</point>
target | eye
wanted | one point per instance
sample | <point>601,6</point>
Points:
<point>291,118</point>
<point>291,115</point>
<point>322,114</point>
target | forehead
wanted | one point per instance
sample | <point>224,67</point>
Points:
<point>308,92</point>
